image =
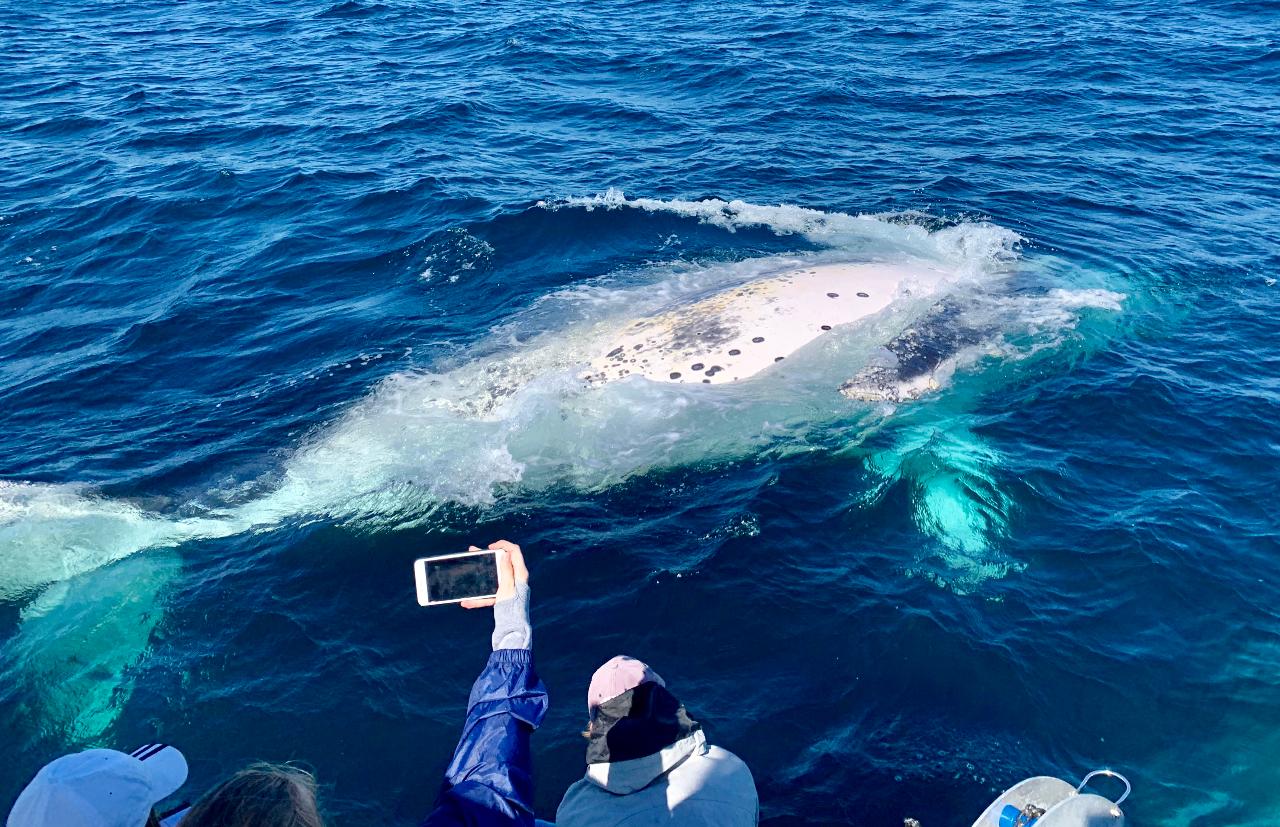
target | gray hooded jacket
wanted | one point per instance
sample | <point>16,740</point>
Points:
<point>650,764</point>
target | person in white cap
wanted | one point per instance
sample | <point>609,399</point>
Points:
<point>648,762</point>
<point>101,788</point>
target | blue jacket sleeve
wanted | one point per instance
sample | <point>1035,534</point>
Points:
<point>490,779</point>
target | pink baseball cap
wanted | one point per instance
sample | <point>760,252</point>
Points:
<point>619,675</point>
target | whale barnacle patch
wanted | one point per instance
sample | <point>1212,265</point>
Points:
<point>783,310</point>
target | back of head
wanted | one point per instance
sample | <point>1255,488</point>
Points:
<point>263,795</point>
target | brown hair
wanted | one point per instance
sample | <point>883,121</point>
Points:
<point>263,795</point>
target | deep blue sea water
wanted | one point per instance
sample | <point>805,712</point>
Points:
<point>296,292</point>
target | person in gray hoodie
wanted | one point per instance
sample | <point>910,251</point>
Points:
<point>648,762</point>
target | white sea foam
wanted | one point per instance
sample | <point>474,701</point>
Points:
<point>456,253</point>
<point>970,247</point>
<point>50,533</point>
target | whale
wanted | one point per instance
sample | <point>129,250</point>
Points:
<point>589,387</point>
<point>731,335</point>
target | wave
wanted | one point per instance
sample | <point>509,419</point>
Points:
<point>972,248</point>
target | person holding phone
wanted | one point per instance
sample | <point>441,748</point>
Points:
<point>489,781</point>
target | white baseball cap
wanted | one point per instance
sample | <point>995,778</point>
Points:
<point>100,788</point>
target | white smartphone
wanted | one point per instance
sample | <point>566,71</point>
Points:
<point>451,578</point>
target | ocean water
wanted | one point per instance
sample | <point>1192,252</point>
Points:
<point>296,292</point>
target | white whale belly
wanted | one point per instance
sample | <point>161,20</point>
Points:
<point>737,333</point>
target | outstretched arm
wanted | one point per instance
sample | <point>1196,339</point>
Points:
<point>490,781</point>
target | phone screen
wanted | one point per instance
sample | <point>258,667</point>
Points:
<point>457,578</point>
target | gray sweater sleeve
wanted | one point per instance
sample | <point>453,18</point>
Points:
<point>511,629</point>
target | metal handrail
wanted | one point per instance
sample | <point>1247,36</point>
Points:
<point>1110,774</point>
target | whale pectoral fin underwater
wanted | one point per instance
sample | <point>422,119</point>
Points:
<point>72,660</point>
<point>957,499</point>
<point>952,472</point>
<point>89,574</point>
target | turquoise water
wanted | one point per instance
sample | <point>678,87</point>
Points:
<point>297,292</point>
